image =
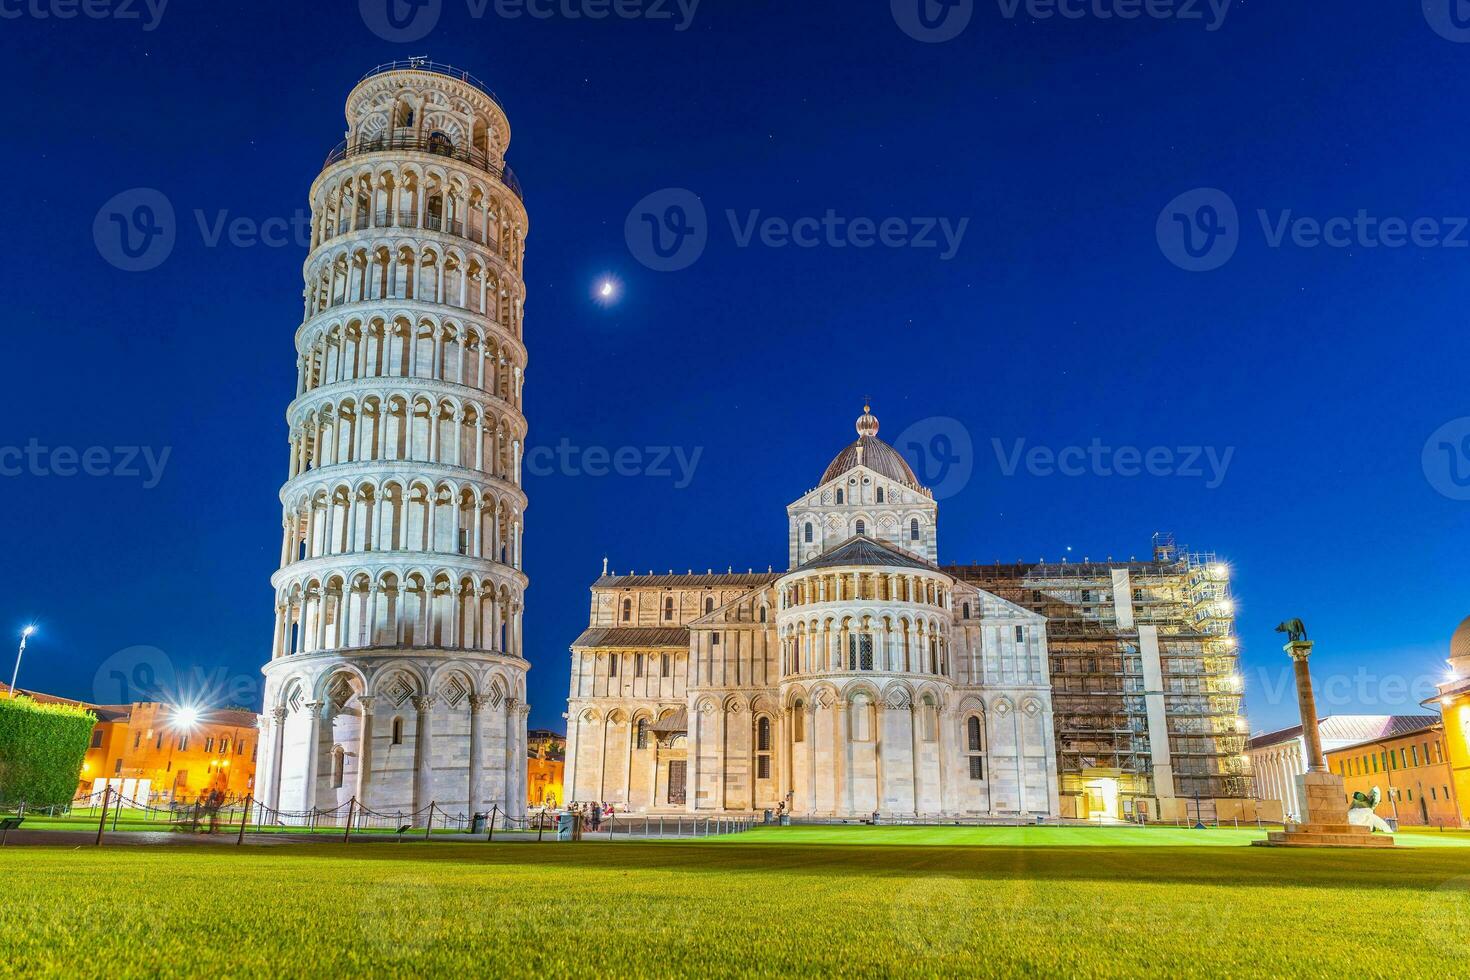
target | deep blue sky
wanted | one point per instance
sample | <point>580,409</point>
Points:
<point>1059,320</point>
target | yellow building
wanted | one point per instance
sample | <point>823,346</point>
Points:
<point>1412,771</point>
<point>1453,701</point>
<point>545,765</point>
<point>157,753</point>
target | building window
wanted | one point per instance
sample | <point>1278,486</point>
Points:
<point>96,738</point>
<point>637,665</point>
<point>642,741</point>
<point>865,651</point>
<point>183,743</point>
<point>668,607</point>
<point>763,614</point>
<point>224,746</point>
<point>137,739</point>
<point>1020,634</point>
<point>664,666</point>
<point>612,666</point>
<point>397,731</point>
<point>117,767</point>
<point>709,605</point>
<point>974,747</point>
<point>159,743</point>
<point>807,532</point>
<point>798,721</point>
<point>714,639</point>
<point>762,767</point>
<point>862,528</point>
<point>839,496</point>
<point>627,610</point>
<point>914,529</point>
<point>966,610</point>
<point>880,495</point>
<point>763,735</point>
<point>209,744</point>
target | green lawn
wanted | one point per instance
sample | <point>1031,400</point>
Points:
<point>793,902</point>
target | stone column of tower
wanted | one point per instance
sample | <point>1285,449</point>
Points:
<point>397,646</point>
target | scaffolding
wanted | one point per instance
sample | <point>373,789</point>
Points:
<point>1099,694</point>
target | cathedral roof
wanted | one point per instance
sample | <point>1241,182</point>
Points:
<point>1350,729</point>
<point>634,638</point>
<point>689,580</point>
<point>1460,641</point>
<point>863,550</point>
<point>870,451</point>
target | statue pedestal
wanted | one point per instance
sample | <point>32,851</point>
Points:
<point>1325,820</point>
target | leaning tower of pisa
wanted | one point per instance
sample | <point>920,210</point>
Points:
<point>397,674</point>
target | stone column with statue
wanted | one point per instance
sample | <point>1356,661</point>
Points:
<point>1323,796</point>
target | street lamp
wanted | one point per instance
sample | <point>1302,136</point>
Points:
<point>24,634</point>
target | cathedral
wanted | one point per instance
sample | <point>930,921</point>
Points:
<point>863,679</point>
<point>868,678</point>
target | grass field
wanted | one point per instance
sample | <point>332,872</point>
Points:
<point>791,901</point>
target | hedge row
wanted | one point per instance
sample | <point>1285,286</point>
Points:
<point>42,747</point>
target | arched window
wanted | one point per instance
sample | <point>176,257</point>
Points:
<point>668,607</point>
<point>439,143</point>
<point>642,741</point>
<point>762,614</point>
<point>974,747</point>
<point>798,721</point>
<point>839,496</point>
<point>627,610</point>
<point>862,528</point>
<point>966,608</point>
<point>397,731</point>
<point>709,605</point>
<point>763,735</point>
<point>914,529</point>
<point>807,532</point>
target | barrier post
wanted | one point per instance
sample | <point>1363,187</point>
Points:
<point>102,824</point>
<point>244,816</point>
<point>347,832</point>
<point>494,809</point>
<point>429,826</point>
<point>541,825</point>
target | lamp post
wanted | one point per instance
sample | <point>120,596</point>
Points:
<point>24,635</point>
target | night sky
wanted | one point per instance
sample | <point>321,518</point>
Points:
<point>1327,378</point>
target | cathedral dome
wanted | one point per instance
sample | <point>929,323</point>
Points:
<point>1460,642</point>
<point>870,451</point>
